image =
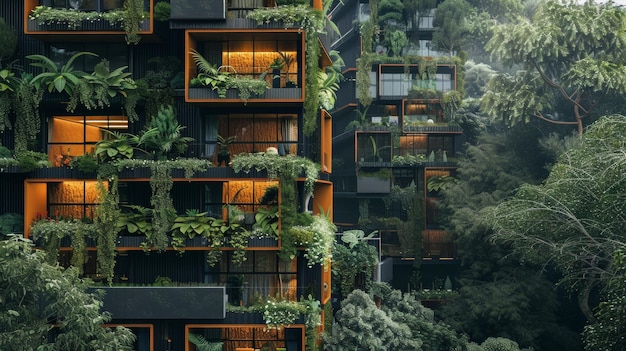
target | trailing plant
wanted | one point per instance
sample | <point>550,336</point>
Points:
<point>320,248</point>
<point>164,212</point>
<point>283,167</point>
<point>96,89</point>
<point>26,99</point>
<point>49,232</point>
<point>190,166</point>
<point>281,313</point>
<point>73,19</point>
<point>238,240</point>
<point>133,15</point>
<point>313,22</point>
<point>107,213</point>
<point>354,257</point>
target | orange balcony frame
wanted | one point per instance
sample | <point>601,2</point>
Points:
<point>194,36</point>
<point>189,327</point>
<point>105,35</point>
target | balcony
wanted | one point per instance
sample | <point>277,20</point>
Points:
<point>244,66</point>
<point>54,18</point>
<point>398,81</point>
<point>437,245</point>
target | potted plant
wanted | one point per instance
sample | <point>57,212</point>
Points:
<point>223,155</point>
<point>276,67</point>
<point>192,224</point>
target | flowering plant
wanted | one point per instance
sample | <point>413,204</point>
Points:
<point>280,313</point>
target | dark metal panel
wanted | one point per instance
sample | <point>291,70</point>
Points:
<point>205,302</point>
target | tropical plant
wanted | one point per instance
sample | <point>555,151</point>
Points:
<point>203,345</point>
<point>266,222</point>
<point>136,220</point>
<point>353,257</point>
<point>116,146</point>
<point>54,78</point>
<point>221,80</point>
<point>193,223</point>
<point>437,183</point>
<point>223,154</point>
<point>94,90</point>
<point>162,137</point>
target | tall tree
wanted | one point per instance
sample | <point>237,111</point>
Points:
<point>451,25</point>
<point>575,220</point>
<point>571,64</point>
<point>499,294</point>
<point>46,308</point>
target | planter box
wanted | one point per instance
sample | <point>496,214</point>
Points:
<point>86,26</point>
<point>201,302</point>
<point>244,318</point>
<point>233,94</point>
<point>61,172</point>
<point>262,242</point>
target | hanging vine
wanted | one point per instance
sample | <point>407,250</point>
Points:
<point>107,212</point>
<point>26,105</point>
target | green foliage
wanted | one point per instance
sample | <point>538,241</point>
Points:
<point>203,345</point>
<point>25,102</point>
<point>162,137</point>
<point>136,221</point>
<point>73,19</point>
<point>107,214</point>
<point>451,28</point>
<point>133,15</point>
<point>87,163</point>
<point>390,10</point>
<point>116,146</point>
<point>162,11</point>
<point>574,51</point>
<point>575,219</point>
<point>266,222</point>
<point>31,160</point>
<point>283,167</point>
<point>11,223</point>
<point>8,43</point>
<point>609,332</point>
<point>361,325</point>
<point>54,78</point>
<point>354,258</point>
<point>215,78</point>
<point>96,89</point>
<point>26,280</point>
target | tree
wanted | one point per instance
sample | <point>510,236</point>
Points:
<point>575,220</point>
<point>45,307</point>
<point>362,326</point>
<point>499,294</point>
<point>610,332</point>
<point>570,60</point>
<point>451,25</point>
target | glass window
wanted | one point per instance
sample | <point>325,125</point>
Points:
<point>70,136</point>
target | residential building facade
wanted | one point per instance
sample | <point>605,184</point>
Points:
<point>177,292</point>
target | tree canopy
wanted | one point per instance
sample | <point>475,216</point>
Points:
<point>575,220</point>
<point>570,64</point>
<point>46,308</point>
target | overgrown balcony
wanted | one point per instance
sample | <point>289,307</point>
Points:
<point>89,17</point>
<point>244,66</point>
<point>416,81</point>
